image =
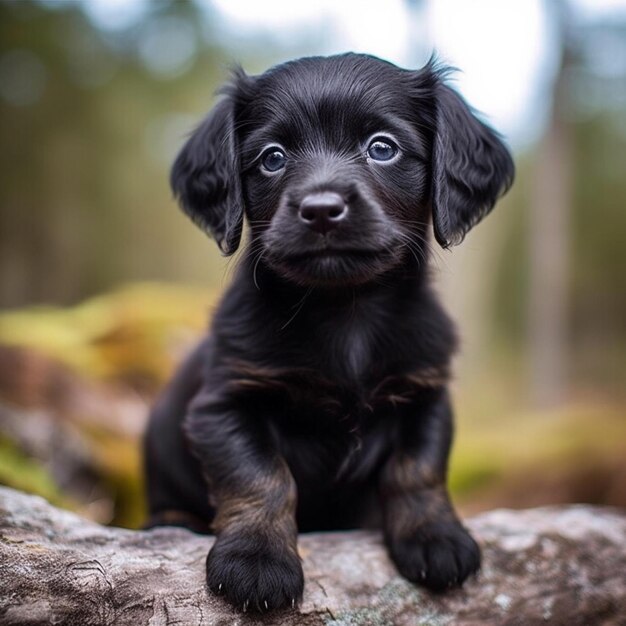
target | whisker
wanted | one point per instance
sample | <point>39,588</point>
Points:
<point>300,304</point>
<point>256,265</point>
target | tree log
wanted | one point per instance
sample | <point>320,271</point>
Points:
<point>555,565</point>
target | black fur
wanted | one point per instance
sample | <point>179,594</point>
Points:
<point>319,400</point>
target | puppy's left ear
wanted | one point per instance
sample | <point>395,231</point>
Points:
<point>471,165</point>
<point>206,176</point>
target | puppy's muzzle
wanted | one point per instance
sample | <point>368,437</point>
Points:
<point>322,211</point>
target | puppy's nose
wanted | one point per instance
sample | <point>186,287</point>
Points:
<point>322,211</point>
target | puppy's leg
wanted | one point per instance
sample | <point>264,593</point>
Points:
<point>176,493</point>
<point>254,561</point>
<point>424,536</point>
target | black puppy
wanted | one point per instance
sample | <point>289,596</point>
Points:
<point>319,400</point>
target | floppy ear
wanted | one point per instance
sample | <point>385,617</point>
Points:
<point>206,180</point>
<point>471,165</point>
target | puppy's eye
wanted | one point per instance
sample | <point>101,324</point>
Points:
<point>382,149</point>
<point>273,159</point>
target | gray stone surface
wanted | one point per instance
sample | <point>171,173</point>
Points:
<point>557,565</point>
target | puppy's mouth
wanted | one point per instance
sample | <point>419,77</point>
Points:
<point>330,266</point>
<point>338,253</point>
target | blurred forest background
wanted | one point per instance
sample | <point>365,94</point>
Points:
<point>104,284</point>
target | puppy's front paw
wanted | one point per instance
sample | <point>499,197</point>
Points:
<point>254,572</point>
<point>437,555</point>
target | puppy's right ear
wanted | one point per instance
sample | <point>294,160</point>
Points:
<point>205,177</point>
<point>472,168</point>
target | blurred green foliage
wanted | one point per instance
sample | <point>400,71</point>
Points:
<point>84,198</point>
<point>133,333</point>
<point>597,255</point>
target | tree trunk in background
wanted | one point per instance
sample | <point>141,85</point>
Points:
<point>549,239</point>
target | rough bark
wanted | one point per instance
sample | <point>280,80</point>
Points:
<point>558,565</point>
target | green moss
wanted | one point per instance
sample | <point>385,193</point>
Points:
<point>19,471</point>
<point>118,460</point>
<point>469,474</point>
<point>492,451</point>
<point>131,329</point>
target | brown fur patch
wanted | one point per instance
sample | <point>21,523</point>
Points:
<point>414,495</point>
<point>297,384</point>
<point>405,474</point>
<point>303,384</point>
<point>405,515</point>
<point>267,505</point>
<point>401,389</point>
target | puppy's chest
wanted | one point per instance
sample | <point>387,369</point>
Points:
<point>341,376</point>
<point>349,354</point>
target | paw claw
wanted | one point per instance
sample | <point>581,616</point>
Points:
<point>438,556</point>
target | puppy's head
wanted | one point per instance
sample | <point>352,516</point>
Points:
<point>339,164</point>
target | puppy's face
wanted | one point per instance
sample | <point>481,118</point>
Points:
<point>335,170</point>
<point>339,163</point>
